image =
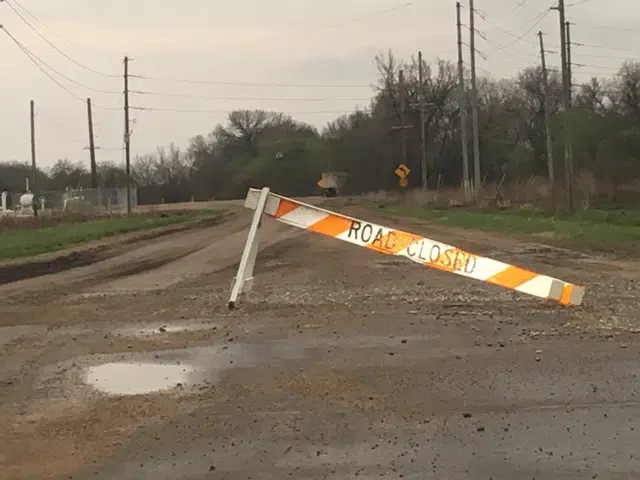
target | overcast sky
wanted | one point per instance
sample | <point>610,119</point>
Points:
<point>325,49</point>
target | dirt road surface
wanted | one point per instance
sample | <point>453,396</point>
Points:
<point>341,364</point>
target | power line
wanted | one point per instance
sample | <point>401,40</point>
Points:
<point>358,18</point>
<point>606,56</point>
<point>277,99</point>
<point>537,19</point>
<point>589,45</point>
<point>35,60</point>
<point>598,67</point>
<point>38,20</point>
<point>611,27</point>
<point>519,55</point>
<point>26,50</point>
<point>177,110</point>
<point>89,69</point>
<point>520,4</point>
<point>250,84</point>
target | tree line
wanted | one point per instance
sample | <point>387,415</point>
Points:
<point>260,148</point>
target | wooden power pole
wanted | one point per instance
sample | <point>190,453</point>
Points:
<point>545,79</point>
<point>92,147</point>
<point>462,105</point>
<point>474,105</point>
<point>403,123</point>
<point>566,93</point>
<point>33,147</point>
<point>403,120</point>
<point>423,140</point>
<point>569,69</point>
<point>127,134</point>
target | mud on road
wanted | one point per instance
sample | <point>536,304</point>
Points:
<point>342,363</point>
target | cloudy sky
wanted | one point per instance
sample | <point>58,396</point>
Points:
<point>311,59</point>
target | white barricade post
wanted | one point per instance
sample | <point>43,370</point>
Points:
<point>243,282</point>
<point>389,241</point>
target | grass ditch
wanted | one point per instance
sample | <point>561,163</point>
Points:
<point>19,239</point>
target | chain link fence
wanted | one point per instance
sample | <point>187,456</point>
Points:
<point>89,201</point>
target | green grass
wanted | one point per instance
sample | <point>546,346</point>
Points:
<point>25,242</point>
<point>612,230</point>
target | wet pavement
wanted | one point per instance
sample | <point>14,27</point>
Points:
<point>499,404</point>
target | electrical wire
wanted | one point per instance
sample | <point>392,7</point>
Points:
<point>589,45</point>
<point>611,27</point>
<point>250,84</point>
<point>597,67</point>
<point>348,21</point>
<point>177,110</point>
<point>519,55</point>
<point>36,61</point>
<point>576,3</point>
<point>38,20</point>
<point>25,49</point>
<point>578,53</point>
<point>52,45</point>
<point>537,19</point>
<point>277,99</point>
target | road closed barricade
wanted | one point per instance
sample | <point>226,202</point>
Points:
<point>390,241</point>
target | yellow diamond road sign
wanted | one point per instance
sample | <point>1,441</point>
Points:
<point>402,171</point>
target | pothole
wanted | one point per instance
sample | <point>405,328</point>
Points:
<point>122,378</point>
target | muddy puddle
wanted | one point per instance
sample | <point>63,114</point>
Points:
<point>137,373</point>
<point>122,378</point>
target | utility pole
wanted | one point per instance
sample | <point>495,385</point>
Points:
<point>33,153</point>
<point>127,133</point>
<point>566,91</point>
<point>92,147</point>
<point>545,79</point>
<point>572,191</point>
<point>403,135</point>
<point>462,105</point>
<point>474,105</point>
<point>403,126</point>
<point>423,140</point>
<point>569,69</point>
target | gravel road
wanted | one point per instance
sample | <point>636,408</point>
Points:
<point>123,362</point>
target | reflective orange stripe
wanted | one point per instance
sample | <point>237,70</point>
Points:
<point>331,225</point>
<point>512,277</point>
<point>565,298</point>
<point>284,207</point>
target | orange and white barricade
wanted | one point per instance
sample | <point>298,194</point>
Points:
<point>390,241</point>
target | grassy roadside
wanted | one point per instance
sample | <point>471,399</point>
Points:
<point>616,231</point>
<point>17,243</point>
